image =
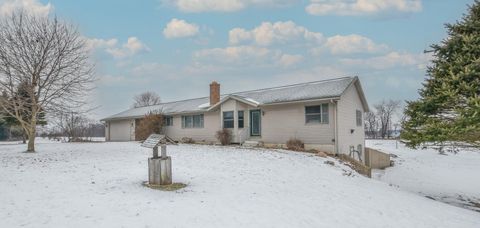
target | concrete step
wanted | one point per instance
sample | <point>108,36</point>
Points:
<point>250,143</point>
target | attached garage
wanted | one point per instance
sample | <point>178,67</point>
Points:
<point>120,130</point>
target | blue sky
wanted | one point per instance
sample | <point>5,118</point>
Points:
<point>177,47</point>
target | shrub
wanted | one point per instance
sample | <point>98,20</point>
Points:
<point>295,144</point>
<point>224,136</point>
<point>151,123</point>
<point>188,140</point>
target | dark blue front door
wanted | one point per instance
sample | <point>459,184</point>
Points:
<point>255,122</point>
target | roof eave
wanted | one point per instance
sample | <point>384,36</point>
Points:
<point>302,101</point>
<point>232,97</point>
<point>141,116</point>
<point>362,95</point>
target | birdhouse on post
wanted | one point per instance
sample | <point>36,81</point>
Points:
<point>159,168</point>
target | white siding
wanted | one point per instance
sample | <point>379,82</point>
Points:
<point>235,106</point>
<point>282,122</point>
<point>121,130</point>
<point>211,125</point>
<point>347,106</point>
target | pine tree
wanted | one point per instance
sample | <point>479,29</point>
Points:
<point>448,110</point>
<point>22,95</point>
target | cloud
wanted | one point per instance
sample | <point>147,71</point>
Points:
<point>151,68</point>
<point>193,6</point>
<point>95,43</point>
<point>287,32</point>
<point>352,44</point>
<point>131,47</point>
<point>287,60</point>
<point>238,55</point>
<point>31,6</point>
<point>390,60</point>
<point>246,55</point>
<point>179,28</point>
<point>279,32</point>
<point>361,7</point>
<point>111,46</point>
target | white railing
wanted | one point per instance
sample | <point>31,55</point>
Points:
<point>243,134</point>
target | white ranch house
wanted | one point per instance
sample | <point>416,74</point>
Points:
<point>326,115</point>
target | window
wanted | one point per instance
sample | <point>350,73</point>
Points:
<point>240,119</point>
<point>359,118</point>
<point>198,121</point>
<point>193,121</point>
<point>228,119</point>
<point>168,121</point>
<point>316,114</point>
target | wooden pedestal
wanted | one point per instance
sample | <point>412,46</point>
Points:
<point>160,171</point>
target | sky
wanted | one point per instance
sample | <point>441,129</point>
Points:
<point>177,47</point>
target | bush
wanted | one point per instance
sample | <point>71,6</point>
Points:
<point>224,136</point>
<point>188,140</point>
<point>295,144</point>
<point>151,123</point>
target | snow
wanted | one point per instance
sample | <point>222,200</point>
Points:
<point>451,178</point>
<point>99,185</point>
<point>204,105</point>
<point>252,100</point>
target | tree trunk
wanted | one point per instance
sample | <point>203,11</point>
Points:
<point>31,140</point>
<point>32,133</point>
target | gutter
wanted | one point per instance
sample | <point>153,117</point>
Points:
<point>166,114</point>
<point>302,101</point>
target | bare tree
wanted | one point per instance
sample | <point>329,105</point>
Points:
<point>146,99</point>
<point>50,59</point>
<point>371,125</point>
<point>385,111</point>
<point>71,124</point>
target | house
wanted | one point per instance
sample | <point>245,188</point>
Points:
<point>326,115</point>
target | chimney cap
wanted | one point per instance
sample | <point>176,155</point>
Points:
<point>214,82</point>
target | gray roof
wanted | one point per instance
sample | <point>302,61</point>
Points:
<point>331,88</point>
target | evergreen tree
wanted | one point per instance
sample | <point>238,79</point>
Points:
<point>448,110</point>
<point>10,121</point>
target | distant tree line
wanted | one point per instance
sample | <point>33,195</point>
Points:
<point>379,123</point>
<point>74,127</point>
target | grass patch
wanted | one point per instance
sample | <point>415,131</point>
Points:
<point>170,187</point>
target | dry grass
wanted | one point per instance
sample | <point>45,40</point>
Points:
<point>296,145</point>
<point>224,136</point>
<point>169,188</point>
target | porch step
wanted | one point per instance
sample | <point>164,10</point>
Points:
<point>250,143</point>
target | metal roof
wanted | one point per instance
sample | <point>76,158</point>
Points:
<point>332,88</point>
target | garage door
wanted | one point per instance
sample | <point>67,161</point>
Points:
<point>120,130</point>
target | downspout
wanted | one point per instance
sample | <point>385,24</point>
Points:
<point>336,126</point>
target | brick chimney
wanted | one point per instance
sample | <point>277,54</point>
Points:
<point>214,93</point>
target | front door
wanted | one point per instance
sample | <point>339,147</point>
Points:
<point>255,122</point>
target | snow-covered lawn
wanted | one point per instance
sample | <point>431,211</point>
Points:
<point>450,178</point>
<point>99,185</point>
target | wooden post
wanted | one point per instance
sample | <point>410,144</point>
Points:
<point>155,152</point>
<point>160,171</point>
<point>164,151</point>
